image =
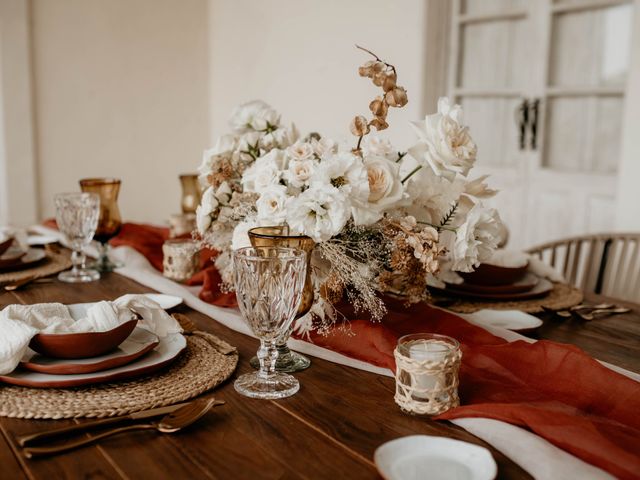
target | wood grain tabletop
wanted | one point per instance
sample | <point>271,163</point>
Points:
<point>330,429</point>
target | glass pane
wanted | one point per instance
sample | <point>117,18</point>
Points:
<point>583,134</point>
<point>492,125</point>
<point>493,55</point>
<point>591,47</point>
<point>480,7</point>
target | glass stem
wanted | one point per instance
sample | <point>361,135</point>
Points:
<point>78,259</point>
<point>267,355</point>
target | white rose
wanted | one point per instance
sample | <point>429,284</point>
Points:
<point>344,171</point>
<point>324,147</point>
<point>444,143</point>
<point>477,236</point>
<point>265,171</point>
<point>223,193</point>
<point>271,205</point>
<point>319,212</point>
<point>208,205</point>
<point>300,151</point>
<point>240,237</point>
<point>299,172</point>
<point>378,146</point>
<point>250,115</point>
<point>385,190</point>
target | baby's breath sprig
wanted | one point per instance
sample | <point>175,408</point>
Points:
<point>383,75</point>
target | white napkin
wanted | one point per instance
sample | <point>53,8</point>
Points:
<point>19,323</point>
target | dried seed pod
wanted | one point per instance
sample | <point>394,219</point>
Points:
<point>389,81</point>
<point>379,107</point>
<point>366,70</point>
<point>379,123</point>
<point>359,126</point>
<point>396,97</point>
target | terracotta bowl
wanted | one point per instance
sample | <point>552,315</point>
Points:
<point>487,274</point>
<point>81,345</point>
<point>5,244</point>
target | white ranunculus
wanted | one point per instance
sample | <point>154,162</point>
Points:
<point>344,171</point>
<point>477,236</point>
<point>253,115</point>
<point>271,205</point>
<point>299,172</point>
<point>240,237</point>
<point>300,151</point>
<point>324,147</point>
<point>385,190</point>
<point>265,171</point>
<point>319,212</point>
<point>444,142</point>
<point>207,206</point>
<point>378,146</point>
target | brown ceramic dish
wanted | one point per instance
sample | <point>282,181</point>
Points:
<point>5,244</point>
<point>542,288</point>
<point>492,275</point>
<point>526,283</point>
<point>81,345</point>
<point>23,260</point>
<point>135,346</point>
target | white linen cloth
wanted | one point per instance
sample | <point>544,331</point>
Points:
<point>534,454</point>
<point>19,323</point>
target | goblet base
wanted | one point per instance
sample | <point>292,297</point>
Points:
<point>79,276</point>
<point>105,264</point>
<point>278,385</point>
<point>288,361</point>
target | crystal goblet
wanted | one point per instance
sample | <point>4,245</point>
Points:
<point>77,218</point>
<point>109,222</point>
<point>269,285</point>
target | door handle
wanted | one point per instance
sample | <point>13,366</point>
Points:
<point>522,120</point>
<point>534,107</point>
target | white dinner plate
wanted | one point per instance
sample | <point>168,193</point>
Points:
<point>423,457</point>
<point>165,301</point>
<point>510,319</point>
<point>166,351</point>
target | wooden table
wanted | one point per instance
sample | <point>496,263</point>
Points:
<point>330,429</point>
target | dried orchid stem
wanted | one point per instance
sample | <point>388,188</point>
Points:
<point>376,57</point>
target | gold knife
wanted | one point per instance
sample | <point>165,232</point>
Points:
<point>23,440</point>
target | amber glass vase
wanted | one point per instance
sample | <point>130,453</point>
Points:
<point>278,236</point>
<point>190,193</point>
<point>110,221</point>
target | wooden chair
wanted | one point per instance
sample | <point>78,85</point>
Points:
<point>607,263</point>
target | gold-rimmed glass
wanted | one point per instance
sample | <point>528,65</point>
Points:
<point>190,192</point>
<point>110,222</point>
<point>278,236</point>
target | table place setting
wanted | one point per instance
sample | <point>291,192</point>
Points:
<point>367,256</point>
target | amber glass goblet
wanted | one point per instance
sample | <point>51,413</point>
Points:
<point>190,193</point>
<point>110,221</point>
<point>278,236</point>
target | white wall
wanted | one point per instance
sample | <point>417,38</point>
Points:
<point>121,89</point>
<point>299,56</point>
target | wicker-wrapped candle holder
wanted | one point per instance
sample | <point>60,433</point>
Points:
<point>427,373</point>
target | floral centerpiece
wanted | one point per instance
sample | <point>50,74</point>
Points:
<point>382,219</point>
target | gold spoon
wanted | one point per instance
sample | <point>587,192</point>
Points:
<point>168,424</point>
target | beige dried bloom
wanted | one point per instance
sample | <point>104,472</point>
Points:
<point>379,107</point>
<point>379,123</point>
<point>389,81</point>
<point>359,126</point>
<point>396,97</point>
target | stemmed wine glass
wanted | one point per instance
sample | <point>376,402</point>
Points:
<point>269,283</point>
<point>109,222</point>
<point>77,218</point>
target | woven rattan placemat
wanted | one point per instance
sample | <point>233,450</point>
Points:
<point>199,368</point>
<point>55,262</point>
<point>562,296</point>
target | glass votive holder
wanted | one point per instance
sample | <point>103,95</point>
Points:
<point>181,224</point>
<point>181,259</point>
<point>427,367</point>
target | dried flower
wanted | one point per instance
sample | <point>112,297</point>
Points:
<point>379,107</point>
<point>359,126</point>
<point>370,68</point>
<point>396,97</point>
<point>379,123</point>
<point>389,81</point>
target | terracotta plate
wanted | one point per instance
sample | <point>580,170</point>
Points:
<point>137,344</point>
<point>542,288</point>
<point>166,352</point>
<point>526,283</point>
<point>33,256</point>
